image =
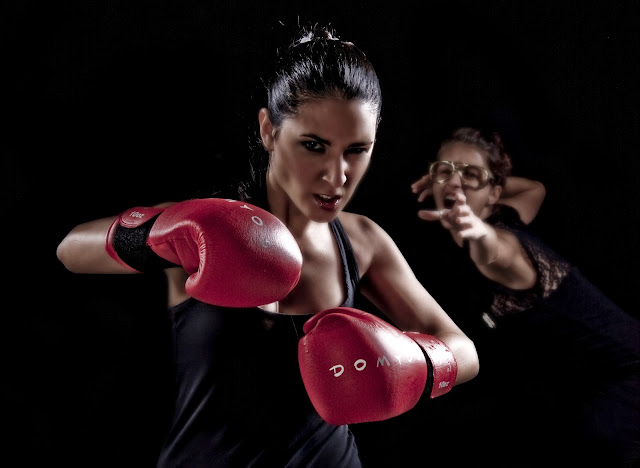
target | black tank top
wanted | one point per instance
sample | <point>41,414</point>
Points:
<point>240,400</point>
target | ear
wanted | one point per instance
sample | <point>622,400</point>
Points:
<point>494,194</point>
<point>266,129</point>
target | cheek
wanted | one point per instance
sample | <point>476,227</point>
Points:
<point>358,170</point>
<point>301,174</point>
<point>478,204</point>
<point>438,190</point>
<point>291,170</point>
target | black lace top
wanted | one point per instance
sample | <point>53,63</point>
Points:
<point>561,362</point>
<point>550,267</point>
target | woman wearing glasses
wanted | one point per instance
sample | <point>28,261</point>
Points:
<point>561,362</point>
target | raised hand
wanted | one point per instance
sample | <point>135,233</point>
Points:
<point>423,187</point>
<point>460,219</point>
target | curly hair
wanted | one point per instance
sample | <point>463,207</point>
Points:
<point>488,143</point>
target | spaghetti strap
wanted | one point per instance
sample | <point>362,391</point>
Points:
<point>349,264</point>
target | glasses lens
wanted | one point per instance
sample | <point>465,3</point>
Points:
<point>441,171</point>
<point>474,176</point>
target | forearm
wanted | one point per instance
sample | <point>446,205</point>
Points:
<point>83,249</point>
<point>410,307</point>
<point>524,195</point>
<point>345,348</point>
<point>484,250</point>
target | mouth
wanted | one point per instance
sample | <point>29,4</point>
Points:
<point>449,201</point>
<point>327,202</point>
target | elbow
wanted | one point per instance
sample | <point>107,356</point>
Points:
<point>64,252</point>
<point>537,194</point>
<point>466,356</point>
<point>69,252</point>
<point>541,190</point>
<point>469,368</point>
<point>475,366</point>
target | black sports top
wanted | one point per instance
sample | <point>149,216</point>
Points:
<point>240,400</point>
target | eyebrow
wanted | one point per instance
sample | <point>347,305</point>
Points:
<point>328,143</point>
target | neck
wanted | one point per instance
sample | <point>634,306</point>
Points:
<point>486,212</point>
<point>281,206</point>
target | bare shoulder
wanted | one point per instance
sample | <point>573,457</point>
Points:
<point>360,227</point>
<point>367,238</point>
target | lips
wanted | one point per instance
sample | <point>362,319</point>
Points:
<point>449,201</point>
<point>326,202</point>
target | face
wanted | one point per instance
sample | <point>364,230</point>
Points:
<point>479,200</point>
<point>319,156</point>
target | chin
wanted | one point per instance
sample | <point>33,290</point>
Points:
<point>324,217</point>
<point>320,215</point>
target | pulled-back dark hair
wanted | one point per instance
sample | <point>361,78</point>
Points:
<point>319,65</point>
<point>316,65</point>
<point>490,144</point>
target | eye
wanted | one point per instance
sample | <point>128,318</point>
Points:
<point>357,151</point>
<point>313,145</point>
<point>443,170</point>
<point>471,172</point>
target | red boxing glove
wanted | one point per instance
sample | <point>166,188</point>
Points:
<point>358,368</point>
<point>237,254</point>
<point>443,368</point>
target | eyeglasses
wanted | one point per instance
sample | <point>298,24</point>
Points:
<point>473,177</point>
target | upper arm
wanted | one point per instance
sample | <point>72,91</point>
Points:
<point>390,284</point>
<point>524,195</point>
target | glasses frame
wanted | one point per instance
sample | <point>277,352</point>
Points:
<point>459,167</point>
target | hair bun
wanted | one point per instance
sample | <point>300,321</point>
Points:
<point>316,33</point>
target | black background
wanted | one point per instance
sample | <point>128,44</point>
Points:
<point>110,104</point>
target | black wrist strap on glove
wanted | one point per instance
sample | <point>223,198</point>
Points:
<point>131,246</point>
<point>127,240</point>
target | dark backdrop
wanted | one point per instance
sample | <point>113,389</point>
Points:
<point>110,104</point>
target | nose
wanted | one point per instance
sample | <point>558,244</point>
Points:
<point>335,171</point>
<point>455,179</point>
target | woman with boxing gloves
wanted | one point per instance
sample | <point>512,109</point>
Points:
<point>567,357</point>
<point>272,360</point>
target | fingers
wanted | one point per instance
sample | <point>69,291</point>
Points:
<point>431,215</point>
<point>422,187</point>
<point>460,219</point>
<point>424,194</point>
<point>469,226</point>
<point>421,183</point>
<point>450,219</point>
<point>461,198</point>
<point>474,232</point>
